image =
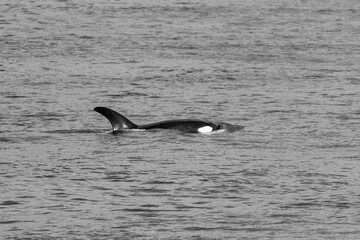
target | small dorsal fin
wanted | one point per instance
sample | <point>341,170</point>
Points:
<point>117,120</point>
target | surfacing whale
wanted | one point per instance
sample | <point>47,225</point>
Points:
<point>119,123</point>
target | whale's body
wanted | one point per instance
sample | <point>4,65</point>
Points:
<point>119,122</point>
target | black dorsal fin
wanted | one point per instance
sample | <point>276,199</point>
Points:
<point>117,120</point>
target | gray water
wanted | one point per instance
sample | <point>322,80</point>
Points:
<point>288,71</point>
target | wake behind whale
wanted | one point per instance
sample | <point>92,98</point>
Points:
<point>119,122</point>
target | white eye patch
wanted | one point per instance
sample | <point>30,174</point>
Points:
<point>205,129</point>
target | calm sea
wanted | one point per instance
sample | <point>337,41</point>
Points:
<point>286,70</point>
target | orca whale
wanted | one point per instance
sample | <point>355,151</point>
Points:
<point>119,123</point>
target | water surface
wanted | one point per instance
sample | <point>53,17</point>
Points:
<point>287,70</point>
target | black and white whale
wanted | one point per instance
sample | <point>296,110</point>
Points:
<point>119,122</point>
